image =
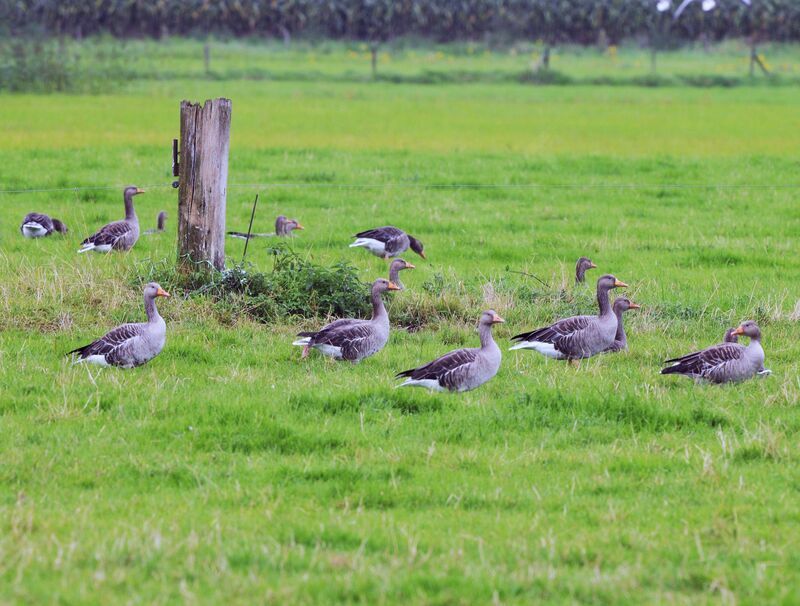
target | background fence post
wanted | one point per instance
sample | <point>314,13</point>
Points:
<point>203,183</point>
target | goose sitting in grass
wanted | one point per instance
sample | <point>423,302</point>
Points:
<point>160,224</point>
<point>352,339</point>
<point>579,336</point>
<point>119,235</point>
<point>38,225</point>
<point>130,345</point>
<point>620,306</point>
<point>462,369</point>
<point>581,267</point>
<point>395,268</point>
<point>387,242</point>
<point>724,363</point>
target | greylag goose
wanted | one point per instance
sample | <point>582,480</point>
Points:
<point>730,336</point>
<point>285,227</point>
<point>119,235</point>
<point>130,345</point>
<point>462,369</point>
<point>387,242</point>
<point>395,268</point>
<point>351,339</point>
<point>724,363</point>
<point>579,336</point>
<point>620,306</point>
<point>581,267</point>
<point>37,225</point>
<point>160,222</point>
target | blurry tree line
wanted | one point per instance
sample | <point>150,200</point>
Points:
<point>376,21</point>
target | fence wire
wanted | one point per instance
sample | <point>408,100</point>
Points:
<point>416,185</point>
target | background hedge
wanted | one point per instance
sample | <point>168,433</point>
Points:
<point>578,21</point>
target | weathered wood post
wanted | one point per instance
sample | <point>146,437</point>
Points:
<point>203,184</point>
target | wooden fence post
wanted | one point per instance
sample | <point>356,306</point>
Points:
<point>203,183</point>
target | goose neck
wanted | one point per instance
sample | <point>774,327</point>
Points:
<point>130,212</point>
<point>150,309</point>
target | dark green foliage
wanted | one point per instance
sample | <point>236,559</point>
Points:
<point>581,21</point>
<point>295,287</point>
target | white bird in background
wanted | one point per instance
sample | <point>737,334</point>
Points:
<point>708,5</point>
<point>663,5</point>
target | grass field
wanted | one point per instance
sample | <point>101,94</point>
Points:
<point>229,470</point>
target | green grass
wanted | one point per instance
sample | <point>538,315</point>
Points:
<point>229,469</point>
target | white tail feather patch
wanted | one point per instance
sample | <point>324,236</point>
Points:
<point>546,349</point>
<point>431,384</point>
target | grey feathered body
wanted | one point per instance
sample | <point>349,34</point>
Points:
<point>460,370</point>
<point>351,339</point>
<point>723,363</point>
<point>128,345</point>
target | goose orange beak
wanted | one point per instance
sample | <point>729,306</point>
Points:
<point>497,319</point>
<point>393,286</point>
<point>162,293</point>
<point>410,266</point>
<point>592,265</point>
<point>620,284</point>
<point>140,190</point>
<point>299,226</point>
<point>739,331</point>
<point>634,306</point>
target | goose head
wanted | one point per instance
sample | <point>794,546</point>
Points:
<point>153,290</point>
<point>608,281</point>
<point>59,226</point>
<point>582,266</point>
<point>382,285</point>
<point>400,264</point>
<point>416,246</point>
<point>730,336</point>
<point>490,317</point>
<point>748,328</point>
<point>623,304</point>
<point>162,219</point>
<point>293,224</point>
<point>131,191</point>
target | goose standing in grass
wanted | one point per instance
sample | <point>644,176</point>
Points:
<point>462,369</point>
<point>38,225</point>
<point>160,223</point>
<point>119,235</point>
<point>352,339</point>
<point>387,242</point>
<point>724,363</point>
<point>581,267</point>
<point>130,345</point>
<point>579,336</point>
<point>395,268</point>
<point>620,306</point>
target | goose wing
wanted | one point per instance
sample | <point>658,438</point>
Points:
<point>108,235</point>
<point>449,370</point>
<point>348,335</point>
<point>112,344</point>
<point>712,360</point>
<point>392,237</point>
<point>565,335</point>
<point>39,218</point>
